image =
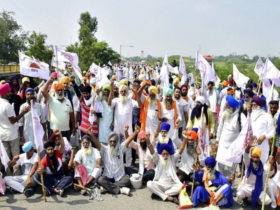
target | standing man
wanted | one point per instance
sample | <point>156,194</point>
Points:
<point>8,129</point>
<point>188,99</point>
<point>213,100</point>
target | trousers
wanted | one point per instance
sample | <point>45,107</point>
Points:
<point>148,174</point>
<point>12,149</point>
<point>18,182</point>
<point>164,189</point>
<point>112,186</point>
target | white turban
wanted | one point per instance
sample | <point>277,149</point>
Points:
<point>200,99</point>
<point>123,87</point>
<point>92,81</point>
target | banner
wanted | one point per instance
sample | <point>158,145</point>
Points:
<point>203,138</point>
<point>183,71</point>
<point>259,67</point>
<point>238,147</point>
<point>271,72</point>
<point>206,71</point>
<point>32,67</point>
<point>216,79</point>
<point>239,78</point>
<point>37,128</point>
<point>3,155</point>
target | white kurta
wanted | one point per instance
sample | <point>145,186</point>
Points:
<point>213,99</point>
<point>170,115</point>
<point>183,107</point>
<point>222,108</point>
<point>228,132</point>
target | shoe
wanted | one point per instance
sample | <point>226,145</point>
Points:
<point>28,192</point>
<point>154,196</point>
<point>125,191</point>
<point>83,192</point>
<point>61,193</point>
<point>103,190</point>
<point>175,200</point>
<point>245,202</point>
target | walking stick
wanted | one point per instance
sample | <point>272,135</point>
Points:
<point>193,177</point>
<point>42,179</point>
<point>269,168</point>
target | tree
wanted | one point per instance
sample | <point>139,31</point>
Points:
<point>12,37</point>
<point>38,47</point>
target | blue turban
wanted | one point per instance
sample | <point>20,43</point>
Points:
<point>232,102</point>
<point>195,129</point>
<point>167,147</point>
<point>254,84</point>
<point>153,82</point>
<point>30,89</point>
<point>115,136</point>
<point>170,86</point>
<point>188,79</point>
<point>249,92</point>
<point>259,101</point>
<point>27,146</point>
<point>210,162</point>
<point>165,127</point>
<point>192,83</point>
<point>168,91</point>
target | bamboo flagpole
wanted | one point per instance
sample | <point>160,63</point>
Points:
<point>195,161</point>
<point>42,179</point>
<point>269,168</point>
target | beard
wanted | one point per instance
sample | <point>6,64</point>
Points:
<point>256,165</point>
<point>87,151</point>
<point>152,102</point>
<point>165,163</point>
<point>246,103</point>
<point>163,140</point>
<point>190,149</point>
<point>123,99</point>
<point>211,175</point>
<point>227,114</point>
<point>28,100</point>
<point>184,94</point>
<point>59,96</point>
<point>168,103</point>
<point>143,145</point>
<point>113,150</point>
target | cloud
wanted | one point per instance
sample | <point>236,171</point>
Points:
<point>203,7</point>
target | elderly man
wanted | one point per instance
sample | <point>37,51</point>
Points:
<point>228,131</point>
<point>28,162</point>
<point>262,126</point>
<point>166,184</point>
<point>114,179</point>
<point>52,168</point>
<point>123,114</point>
<point>60,109</point>
<point>87,160</point>
<point>251,186</point>
<point>67,93</point>
<point>184,110</point>
<point>248,96</point>
<point>106,120</point>
<point>8,129</point>
<point>230,91</point>
<point>195,118</point>
<point>171,111</point>
<point>212,95</point>
<point>26,129</point>
<point>212,184</point>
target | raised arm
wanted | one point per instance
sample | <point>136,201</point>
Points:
<point>111,94</point>
<point>94,139</point>
<point>44,90</point>
<point>132,136</point>
<point>57,132</point>
<point>75,86</point>
<point>182,147</point>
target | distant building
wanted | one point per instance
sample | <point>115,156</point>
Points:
<point>209,58</point>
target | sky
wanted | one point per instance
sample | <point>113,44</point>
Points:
<point>179,27</point>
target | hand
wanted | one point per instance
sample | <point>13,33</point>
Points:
<point>148,134</point>
<point>185,134</point>
<point>126,128</point>
<point>51,79</point>
<point>211,135</point>
<point>137,128</point>
<point>28,182</point>
<point>164,119</point>
<point>90,131</point>
<point>271,160</point>
<point>177,123</point>
<point>26,109</point>
<point>196,167</point>
<point>92,112</point>
<point>98,91</point>
<point>22,139</point>
<point>73,131</point>
<point>70,165</point>
<point>36,88</point>
<point>40,170</point>
<point>45,137</point>
<point>72,78</point>
<point>15,158</point>
<point>57,132</point>
<point>253,142</point>
<point>231,178</point>
<point>249,108</point>
<point>261,139</point>
<point>112,86</point>
<point>159,124</point>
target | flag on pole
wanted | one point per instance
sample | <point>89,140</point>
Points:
<point>266,88</point>
<point>100,75</point>
<point>164,73</point>
<point>237,148</point>
<point>37,128</point>
<point>271,72</point>
<point>29,66</point>
<point>216,79</point>
<point>110,63</point>
<point>183,71</point>
<point>239,78</point>
<point>206,70</point>
<point>60,64</point>
<point>3,155</point>
<point>203,138</point>
<point>259,67</point>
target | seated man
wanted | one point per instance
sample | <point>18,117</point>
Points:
<point>28,162</point>
<point>52,168</point>
<point>146,165</point>
<point>251,187</point>
<point>166,184</point>
<point>212,184</point>
<point>89,158</point>
<point>68,154</point>
<point>114,179</point>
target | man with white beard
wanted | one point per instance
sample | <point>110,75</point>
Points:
<point>87,158</point>
<point>262,126</point>
<point>123,113</point>
<point>212,184</point>
<point>114,179</point>
<point>166,184</point>
<point>228,131</point>
<point>248,95</point>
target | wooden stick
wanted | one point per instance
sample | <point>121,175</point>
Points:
<point>269,167</point>
<point>42,179</point>
<point>193,177</point>
<point>82,187</point>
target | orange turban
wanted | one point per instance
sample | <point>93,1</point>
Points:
<point>230,92</point>
<point>193,135</point>
<point>256,151</point>
<point>84,78</point>
<point>148,82</point>
<point>65,80</point>
<point>225,83</point>
<point>114,77</point>
<point>88,74</point>
<point>57,85</point>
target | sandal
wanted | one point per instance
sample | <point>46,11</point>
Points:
<point>60,192</point>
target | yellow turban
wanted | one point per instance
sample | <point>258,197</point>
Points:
<point>176,80</point>
<point>25,79</point>
<point>124,82</point>
<point>141,77</point>
<point>65,80</point>
<point>153,89</point>
<point>256,151</point>
<point>84,78</point>
<point>114,77</point>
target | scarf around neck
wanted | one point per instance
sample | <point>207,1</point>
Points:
<point>55,163</point>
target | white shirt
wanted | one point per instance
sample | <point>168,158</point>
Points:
<point>26,164</point>
<point>183,107</point>
<point>8,131</point>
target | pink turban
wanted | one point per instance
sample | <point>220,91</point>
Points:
<point>4,89</point>
<point>54,75</point>
<point>141,135</point>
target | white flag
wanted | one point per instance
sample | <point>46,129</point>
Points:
<point>206,70</point>
<point>37,129</point>
<point>164,73</point>
<point>100,75</point>
<point>62,55</point>
<point>203,138</point>
<point>266,88</point>
<point>110,63</point>
<point>216,79</point>
<point>3,155</point>
<point>239,78</point>
<point>271,72</point>
<point>60,64</point>
<point>174,70</point>
<point>259,67</point>
<point>238,147</point>
<point>31,67</point>
<point>183,71</point>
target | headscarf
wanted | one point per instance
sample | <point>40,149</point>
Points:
<point>153,89</point>
<point>167,147</point>
<point>65,80</point>
<point>210,162</point>
<point>53,137</point>
<point>168,91</point>
<point>11,84</point>
<point>249,92</point>
<point>200,99</point>
<point>193,135</point>
<point>4,89</point>
<point>165,127</point>
<point>124,82</point>
<point>57,85</point>
<point>25,79</point>
<point>27,146</point>
<point>31,90</point>
<point>176,80</point>
<point>230,92</point>
<point>114,77</point>
<point>184,86</point>
<point>92,81</point>
<point>114,135</point>
<point>106,87</point>
<point>86,89</point>
<point>256,151</point>
<point>88,138</point>
<point>141,135</point>
<point>49,144</point>
<point>88,74</point>
<point>254,85</point>
<point>259,101</point>
<point>232,102</point>
<point>54,75</point>
<point>225,83</point>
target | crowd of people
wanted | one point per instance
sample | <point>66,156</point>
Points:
<point>94,135</point>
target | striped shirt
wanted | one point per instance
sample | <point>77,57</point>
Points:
<point>113,166</point>
<point>85,124</point>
